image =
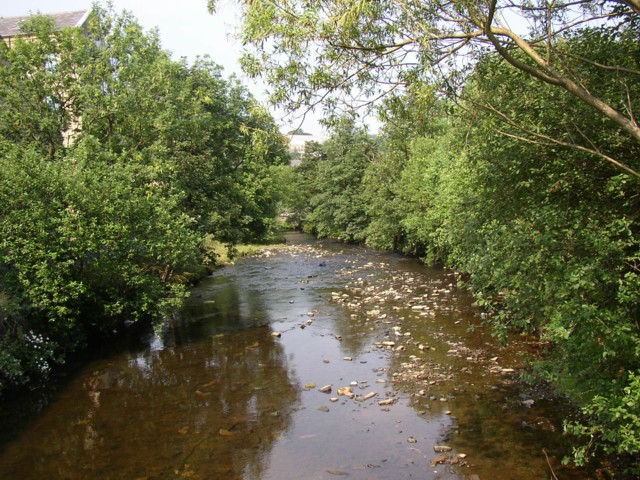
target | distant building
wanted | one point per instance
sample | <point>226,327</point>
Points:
<point>298,140</point>
<point>10,30</point>
<point>10,26</point>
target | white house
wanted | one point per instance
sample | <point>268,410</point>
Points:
<point>298,140</point>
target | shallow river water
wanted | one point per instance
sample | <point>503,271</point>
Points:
<point>415,385</point>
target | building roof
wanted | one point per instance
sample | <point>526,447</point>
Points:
<point>10,26</point>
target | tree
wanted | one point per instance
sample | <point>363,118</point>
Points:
<point>337,208</point>
<point>552,242</point>
<point>353,52</point>
<point>115,163</point>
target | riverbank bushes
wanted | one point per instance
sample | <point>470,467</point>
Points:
<point>514,186</point>
<point>116,163</point>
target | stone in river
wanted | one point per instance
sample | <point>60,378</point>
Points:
<point>366,397</point>
<point>347,391</point>
<point>323,408</point>
<point>310,385</point>
<point>325,389</point>
<point>439,460</point>
<point>441,448</point>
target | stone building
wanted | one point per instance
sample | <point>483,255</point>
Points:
<point>10,26</point>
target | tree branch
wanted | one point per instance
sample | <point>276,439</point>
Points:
<point>553,77</point>
<point>551,141</point>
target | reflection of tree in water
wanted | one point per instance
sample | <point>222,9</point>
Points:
<point>228,307</point>
<point>211,409</point>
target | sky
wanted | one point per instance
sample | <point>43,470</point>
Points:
<point>186,29</point>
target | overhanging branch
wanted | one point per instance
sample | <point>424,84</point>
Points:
<point>547,140</point>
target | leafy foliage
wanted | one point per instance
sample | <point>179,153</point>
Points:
<point>350,53</point>
<point>115,163</point>
<point>337,206</point>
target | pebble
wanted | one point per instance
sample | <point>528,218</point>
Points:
<point>440,460</point>
<point>441,448</point>
<point>346,391</point>
<point>366,397</point>
<point>325,389</point>
<point>337,472</point>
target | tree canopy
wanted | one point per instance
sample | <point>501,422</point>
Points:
<point>352,53</point>
<point>116,163</point>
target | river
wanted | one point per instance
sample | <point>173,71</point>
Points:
<point>415,385</point>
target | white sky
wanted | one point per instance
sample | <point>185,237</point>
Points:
<point>186,29</point>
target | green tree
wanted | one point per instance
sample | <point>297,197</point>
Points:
<point>115,164</point>
<point>300,184</point>
<point>557,248</point>
<point>337,207</point>
<point>406,119</point>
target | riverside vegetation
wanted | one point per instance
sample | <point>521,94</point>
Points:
<point>119,168</point>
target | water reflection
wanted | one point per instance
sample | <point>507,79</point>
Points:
<point>210,408</point>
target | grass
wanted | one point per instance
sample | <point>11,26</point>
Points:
<point>221,255</point>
